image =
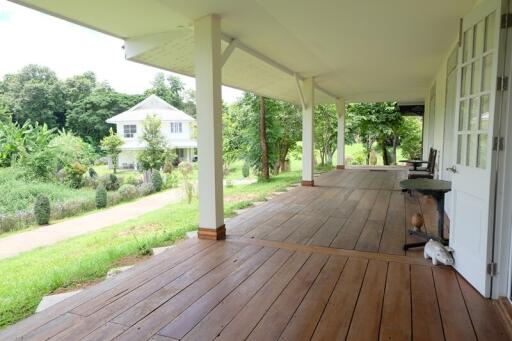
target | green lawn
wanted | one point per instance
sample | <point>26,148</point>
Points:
<point>28,277</point>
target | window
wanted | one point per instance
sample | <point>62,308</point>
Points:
<point>129,130</point>
<point>176,127</point>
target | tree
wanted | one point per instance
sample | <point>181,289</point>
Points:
<point>155,150</point>
<point>34,94</point>
<point>169,89</point>
<point>111,145</point>
<point>242,135</point>
<point>409,135</point>
<point>263,141</point>
<point>87,117</point>
<point>376,122</point>
<point>326,122</point>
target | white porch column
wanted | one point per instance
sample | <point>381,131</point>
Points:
<point>308,132</point>
<point>340,110</point>
<point>209,125</point>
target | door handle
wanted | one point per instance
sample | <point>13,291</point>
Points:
<point>452,169</point>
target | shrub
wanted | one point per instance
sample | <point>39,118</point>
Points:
<point>110,182</point>
<point>145,189</point>
<point>113,198</point>
<point>91,182</point>
<point>132,180</point>
<point>92,172</point>
<point>156,180</point>
<point>101,196</point>
<point>128,192</point>
<point>74,173</point>
<point>171,180</point>
<point>42,210</point>
<point>245,169</point>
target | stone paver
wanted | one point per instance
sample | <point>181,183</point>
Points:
<point>50,300</point>
<point>51,234</point>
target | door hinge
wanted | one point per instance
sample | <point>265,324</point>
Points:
<point>498,143</point>
<point>492,269</point>
<point>506,20</point>
<point>502,83</point>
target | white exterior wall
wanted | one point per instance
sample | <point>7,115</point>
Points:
<point>133,145</point>
<point>439,136</point>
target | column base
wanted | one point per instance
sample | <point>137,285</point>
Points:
<point>212,234</point>
<point>308,183</point>
<point>340,167</point>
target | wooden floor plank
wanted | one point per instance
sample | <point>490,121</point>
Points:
<point>304,321</point>
<point>483,314</point>
<point>426,318</point>
<point>335,321</point>
<point>106,332</point>
<point>173,300</point>
<point>396,312</point>
<point>327,232</point>
<point>393,235</point>
<point>244,322</point>
<point>370,237</point>
<point>276,318</point>
<point>211,325</point>
<point>136,304</point>
<point>187,320</point>
<point>143,271</point>
<point>454,315</point>
<point>367,315</point>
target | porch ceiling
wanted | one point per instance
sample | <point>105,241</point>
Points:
<point>361,50</point>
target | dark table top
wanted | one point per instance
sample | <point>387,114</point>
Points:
<point>426,185</point>
<point>414,161</point>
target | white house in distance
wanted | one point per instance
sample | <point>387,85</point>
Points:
<point>177,127</point>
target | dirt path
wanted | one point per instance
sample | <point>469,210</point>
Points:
<point>51,234</point>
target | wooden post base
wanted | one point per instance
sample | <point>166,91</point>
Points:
<point>308,183</point>
<point>212,234</point>
<point>340,167</point>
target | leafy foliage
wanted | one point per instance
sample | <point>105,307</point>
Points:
<point>326,123</point>
<point>375,122</point>
<point>155,151</point>
<point>87,117</point>
<point>42,210</point>
<point>111,144</point>
<point>410,137</point>
<point>186,169</point>
<point>101,196</point>
<point>156,180</point>
<point>241,135</point>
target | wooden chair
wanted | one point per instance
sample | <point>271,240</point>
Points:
<point>428,172</point>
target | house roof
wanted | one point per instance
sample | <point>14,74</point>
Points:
<point>153,105</point>
<point>366,50</point>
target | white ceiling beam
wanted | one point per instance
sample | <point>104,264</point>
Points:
<point>273,63</point>
<point>137,46</point>
<point>301,93</point>
<point>228,51</point>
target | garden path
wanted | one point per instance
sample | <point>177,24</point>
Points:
<point>51,234</point>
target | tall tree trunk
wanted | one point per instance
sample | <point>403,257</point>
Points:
<point>263,141</point>
<point>395,143</point>
<point>385,155</point>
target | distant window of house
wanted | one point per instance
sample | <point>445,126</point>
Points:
<point>129,130</point>
<point>176,127</point>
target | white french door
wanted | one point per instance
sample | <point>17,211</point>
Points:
<point>471,232</point>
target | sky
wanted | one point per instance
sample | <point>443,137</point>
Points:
<point>31,37</point>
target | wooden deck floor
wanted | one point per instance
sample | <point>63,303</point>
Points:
<point>360,210</point>
<point>287,288</point>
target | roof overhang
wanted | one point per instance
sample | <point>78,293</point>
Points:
<point>365,50</point>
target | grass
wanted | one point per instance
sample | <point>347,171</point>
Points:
<point>28,277</point>
<point>19,194</point>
